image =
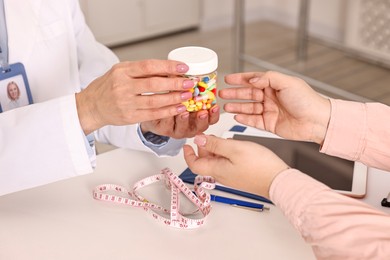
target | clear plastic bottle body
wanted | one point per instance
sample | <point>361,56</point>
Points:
<point>204,93</point>
<point>203,64</point>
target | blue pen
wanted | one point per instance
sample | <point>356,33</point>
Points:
<point>238,203</point>
<point>188,176</point>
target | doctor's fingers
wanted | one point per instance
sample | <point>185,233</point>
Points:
<point>143,115</point>
<point>157,100</point>
<point>244,93</point>
<point>190,124</point>
<point>159,84</point>
<point>152,67</point>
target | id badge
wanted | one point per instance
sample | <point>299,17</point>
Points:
<point>14,89</point>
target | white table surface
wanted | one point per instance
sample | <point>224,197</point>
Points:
<point>63,221</point>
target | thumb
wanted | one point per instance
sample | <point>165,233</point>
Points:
<point>215,145</point>
<point>212,151</point>
<point>272,79</point>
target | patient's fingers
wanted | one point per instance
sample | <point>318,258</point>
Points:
<point>251,120</point>
<point>242,79</point>
<point>252,108</point>
<point>244,93</point>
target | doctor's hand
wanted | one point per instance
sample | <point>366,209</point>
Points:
<point>278,103</point>
<point>239,164</point>
<point>122,95</point>
<point>185,125</point>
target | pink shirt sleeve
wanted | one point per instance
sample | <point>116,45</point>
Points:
<point>359,132</point>
<point>337,226</point>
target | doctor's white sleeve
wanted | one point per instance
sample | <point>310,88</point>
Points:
<point>40,144</point>
<point>129,137</point>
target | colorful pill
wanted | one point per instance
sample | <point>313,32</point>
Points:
<point>203,64</point>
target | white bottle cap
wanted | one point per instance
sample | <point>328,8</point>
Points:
<point>200,60</point>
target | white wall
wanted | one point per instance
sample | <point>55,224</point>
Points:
<point>327,18</point>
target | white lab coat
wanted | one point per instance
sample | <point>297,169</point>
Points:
<point>44,142</point>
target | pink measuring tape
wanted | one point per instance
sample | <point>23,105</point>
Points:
<point>199,197</point>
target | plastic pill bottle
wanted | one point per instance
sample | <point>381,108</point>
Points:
<point>203,64</point>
